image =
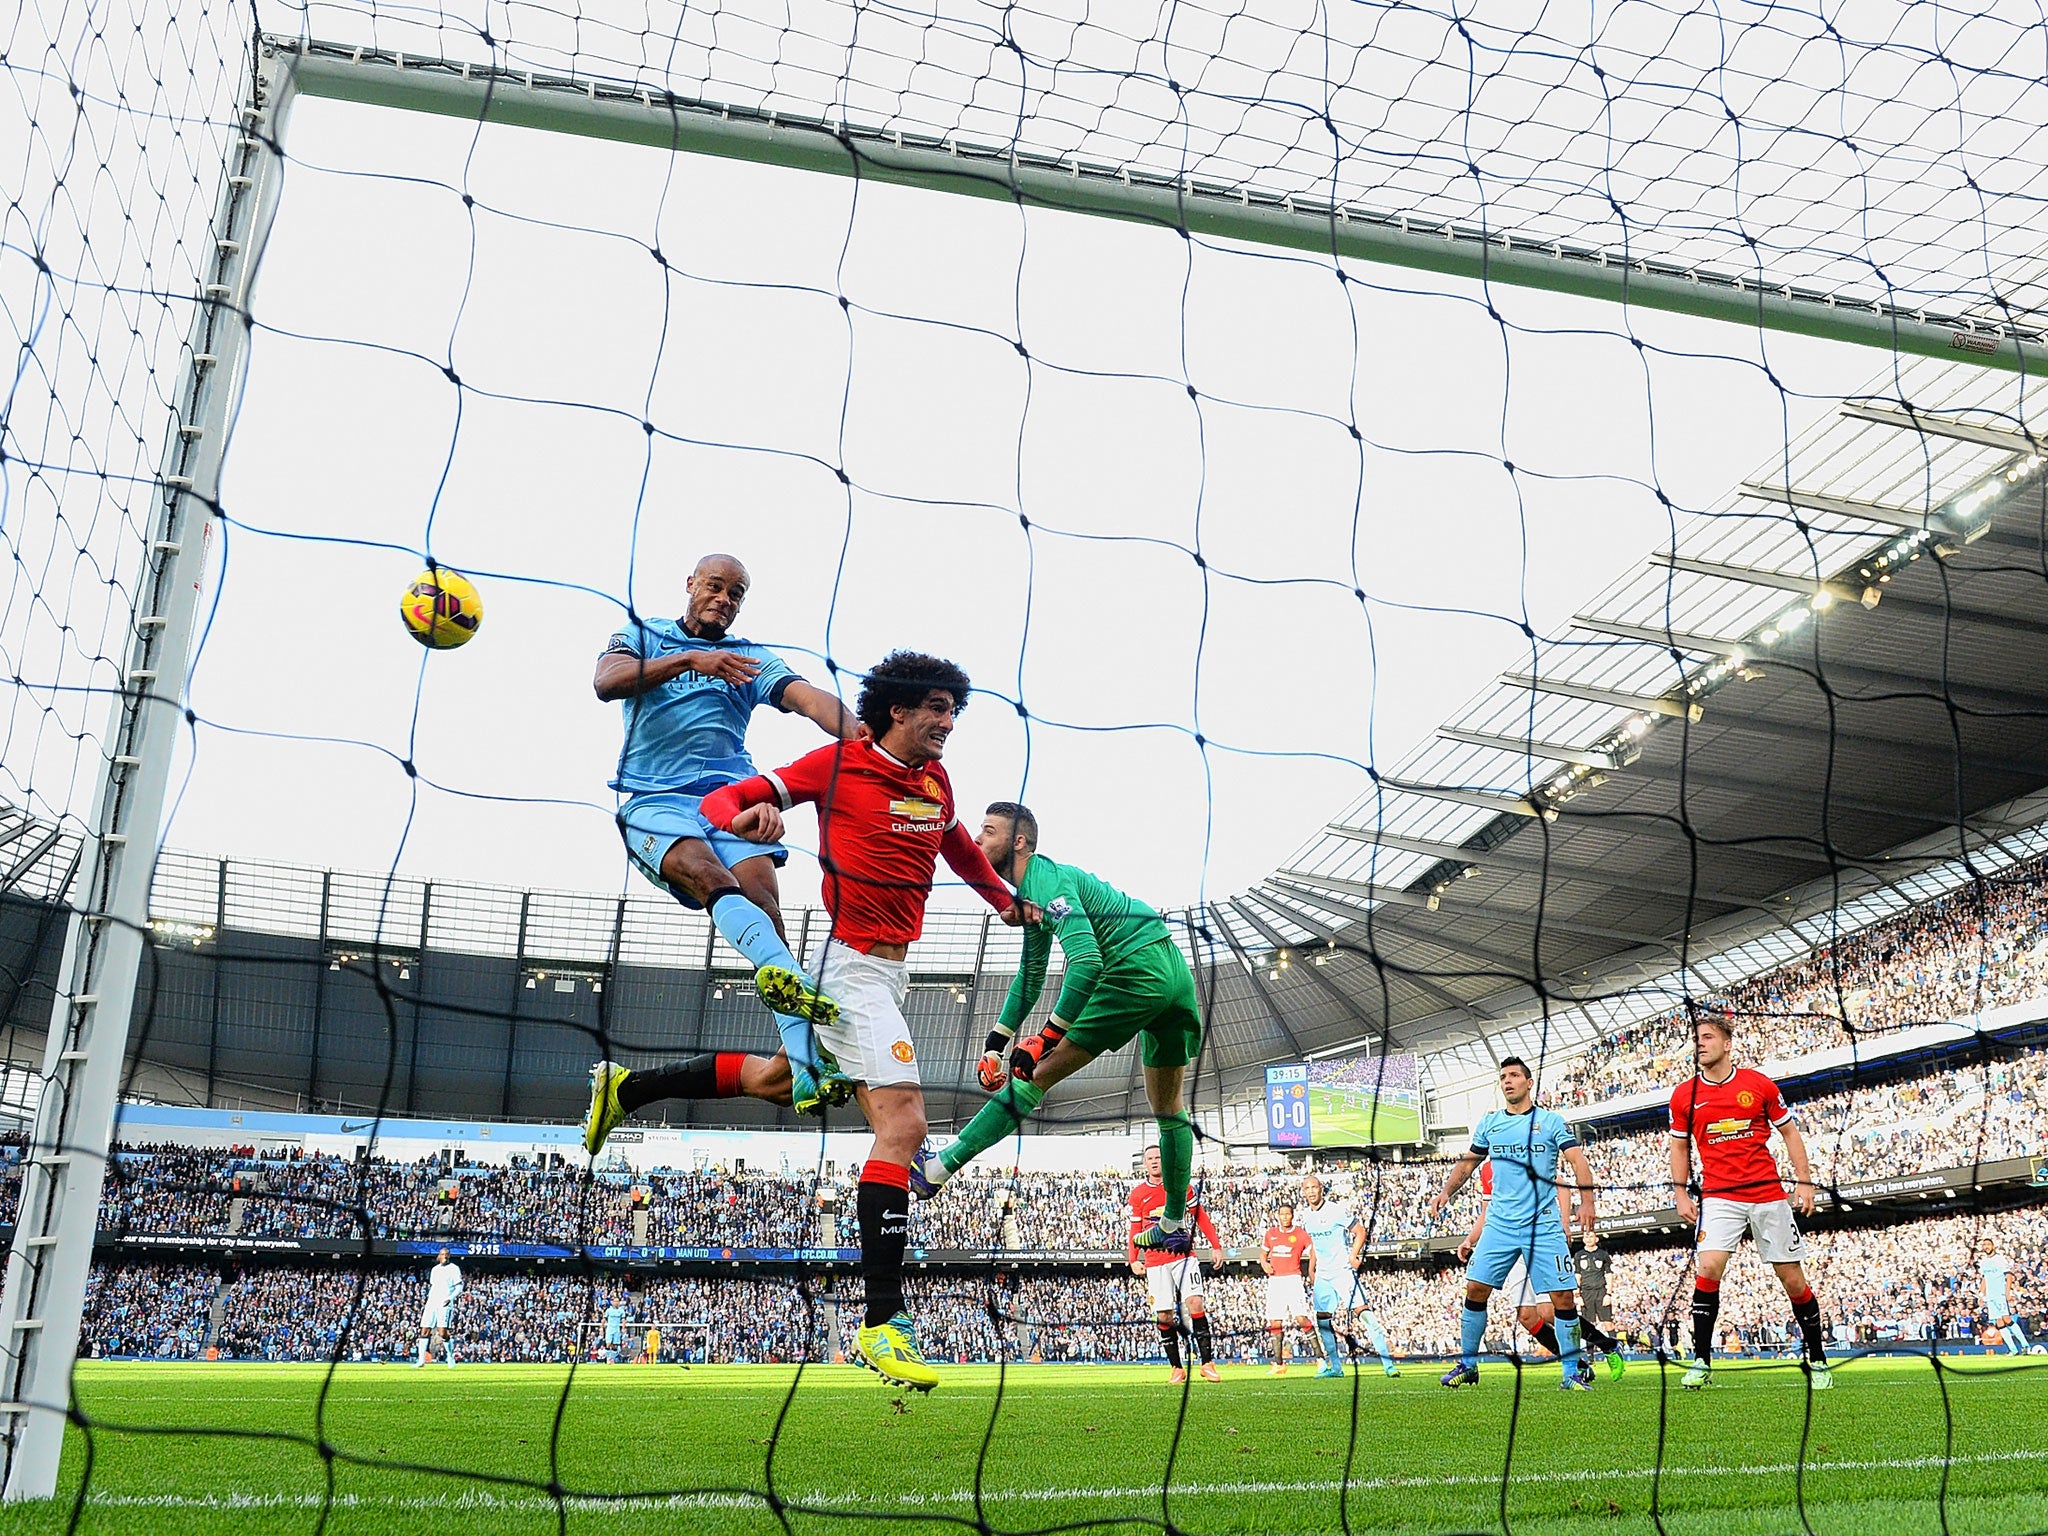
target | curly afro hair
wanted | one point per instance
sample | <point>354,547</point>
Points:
<point>905,677</point>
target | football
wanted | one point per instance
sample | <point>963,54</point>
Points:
<point>441,608</point>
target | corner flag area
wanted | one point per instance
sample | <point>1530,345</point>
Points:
<point>664,1449</point>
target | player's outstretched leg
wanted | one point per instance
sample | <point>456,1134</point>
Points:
<point>1590,1333</point>
<point>617,1092</point>
<point>994,1121</point>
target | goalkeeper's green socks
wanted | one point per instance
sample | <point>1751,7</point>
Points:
<point>1176,1164</point>
<point>999,1117</point>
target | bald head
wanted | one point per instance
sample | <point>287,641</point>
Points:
<point>717,587</point>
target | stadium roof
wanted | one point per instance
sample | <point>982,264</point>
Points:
<point>1834,677</point>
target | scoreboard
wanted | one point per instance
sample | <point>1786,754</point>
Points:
<point>1287,1106</point>
<point>1345,1101</point>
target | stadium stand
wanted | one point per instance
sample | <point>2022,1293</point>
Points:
<point>1028,1264</point>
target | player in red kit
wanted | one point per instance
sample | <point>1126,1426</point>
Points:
<point>1288,1258</point>
<point>885,818</point>
<point>1730,1112</point>
<point>1174,1280</point>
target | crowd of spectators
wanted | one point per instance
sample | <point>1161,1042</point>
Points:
<point>1945,1118</point>
<point>1980,947</point>
<point>1913,1281</point>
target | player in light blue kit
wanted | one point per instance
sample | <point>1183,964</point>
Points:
<point>1996,1269</point>
<point>1336,1238</point>
<point>1522,1221</point>
<point>689,689</point>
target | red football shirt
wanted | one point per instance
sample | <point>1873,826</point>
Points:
<point>1731,1124</point>
<point>882,826</point>
<point>1146,1202</point>
<point>1285,1247</point>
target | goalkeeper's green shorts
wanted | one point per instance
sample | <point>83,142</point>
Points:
<point>1149,994</point>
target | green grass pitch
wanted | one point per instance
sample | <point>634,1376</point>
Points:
<point>1343,1119</point>
<point>1071,1444</point>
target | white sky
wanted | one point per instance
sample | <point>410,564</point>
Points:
<point>306,687</point>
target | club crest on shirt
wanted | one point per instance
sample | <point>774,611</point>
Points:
<point>1746,1099</point>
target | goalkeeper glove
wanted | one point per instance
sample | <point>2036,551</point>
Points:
<point>990,1071</point>
<point>1025,1057</point>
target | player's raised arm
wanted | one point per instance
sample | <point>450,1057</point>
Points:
<point>825,710</point>
<point>964,857</point>
<point>753,808</point>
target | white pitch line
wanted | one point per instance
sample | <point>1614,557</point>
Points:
<point>633,1504</point>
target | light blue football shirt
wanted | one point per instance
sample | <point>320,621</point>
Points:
<point>1994,1268</point>
<point>1525,1150</point>
<point>1329,1232</point>
<point>690,734</point>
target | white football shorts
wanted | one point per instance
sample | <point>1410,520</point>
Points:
<point>1174,1284</point>
<point>1285,1298</point>
<point>870,1037</point>
<point>1517,1289</point>
<point>437,1314</point>
<point>1723,1223</point>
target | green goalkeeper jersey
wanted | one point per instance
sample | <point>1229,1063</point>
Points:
<point>1096,924</point>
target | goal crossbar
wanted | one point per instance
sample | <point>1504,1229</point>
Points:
<point>632,114</point>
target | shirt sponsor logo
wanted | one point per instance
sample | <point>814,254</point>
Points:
<point>1729,1127</point>
<point>917,815</point>
<point>903,1051</point>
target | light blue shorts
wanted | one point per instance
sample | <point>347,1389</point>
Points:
<point>654,823</point>
<point>1548,1254</point>
<point>1339,1295</point>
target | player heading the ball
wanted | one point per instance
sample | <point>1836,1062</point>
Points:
<point>1125,980</point>
<point>1730,1112</point>
<point>1523,1218</point>
<point>885,816</point>
<point>689,689</point>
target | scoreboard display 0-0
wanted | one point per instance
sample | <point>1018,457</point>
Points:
<point>1345,1101</point>
<point>1287,1106</point>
